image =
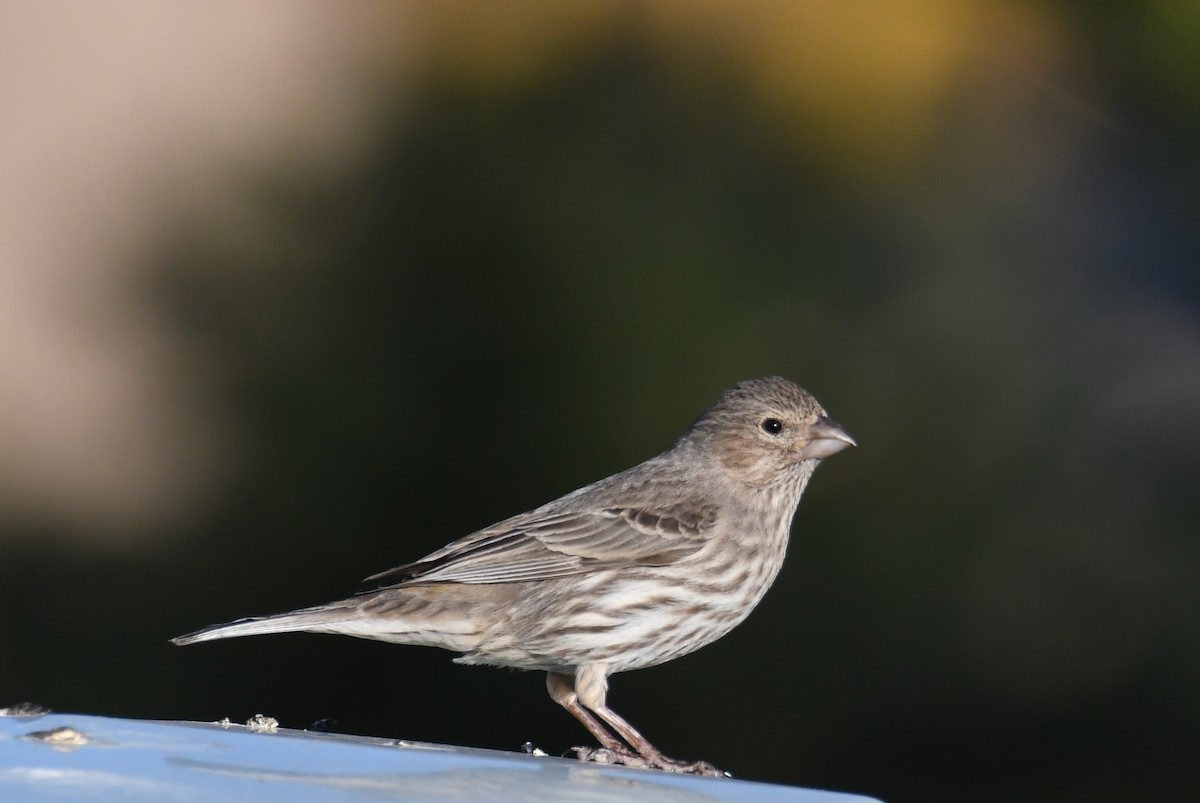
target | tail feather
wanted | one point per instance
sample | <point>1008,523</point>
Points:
<point>321,618</point>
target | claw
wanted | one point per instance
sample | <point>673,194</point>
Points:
<point>628,758</point>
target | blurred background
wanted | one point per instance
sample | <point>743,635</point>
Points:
<point>293,292</point>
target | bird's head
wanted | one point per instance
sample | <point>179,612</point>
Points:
<point>766,431</point>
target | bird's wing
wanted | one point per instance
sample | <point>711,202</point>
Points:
<point>543,546</point>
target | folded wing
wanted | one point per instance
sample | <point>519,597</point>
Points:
<point>545,546</point>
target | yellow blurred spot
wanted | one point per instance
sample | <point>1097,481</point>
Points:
<point>861,82</point>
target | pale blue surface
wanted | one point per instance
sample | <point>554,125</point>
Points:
<point>132,760</point>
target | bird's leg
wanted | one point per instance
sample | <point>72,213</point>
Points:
<point>591,689</point>
<point>651,753</point>
<point>562,691</point>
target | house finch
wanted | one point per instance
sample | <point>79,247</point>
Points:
<point>628,572</point>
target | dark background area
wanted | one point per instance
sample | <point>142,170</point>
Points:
<point>969,230</point>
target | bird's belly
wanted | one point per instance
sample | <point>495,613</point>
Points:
<point>627,619</point>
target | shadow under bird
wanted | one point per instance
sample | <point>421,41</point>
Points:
<point>628,572</point>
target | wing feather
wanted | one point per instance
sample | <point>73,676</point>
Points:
<point>545,545</point>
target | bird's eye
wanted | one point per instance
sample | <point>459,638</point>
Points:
<point>772,426</point>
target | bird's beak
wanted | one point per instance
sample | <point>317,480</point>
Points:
<point>826,437</point>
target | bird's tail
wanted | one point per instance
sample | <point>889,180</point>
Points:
<point>330,618</point>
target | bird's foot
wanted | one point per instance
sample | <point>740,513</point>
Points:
<point>628,758</point>
<point>605,755</point>
<point>701,768</point>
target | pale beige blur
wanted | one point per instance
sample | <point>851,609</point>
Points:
<point>118,120</point>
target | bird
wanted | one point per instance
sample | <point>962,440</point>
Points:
<point>629,572</point>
